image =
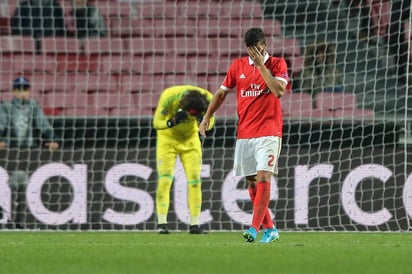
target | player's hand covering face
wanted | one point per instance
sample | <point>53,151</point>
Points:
<point>257,53</point>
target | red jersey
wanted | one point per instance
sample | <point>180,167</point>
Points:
<point>258,109</point>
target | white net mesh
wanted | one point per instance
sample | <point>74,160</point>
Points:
<point>345,158</point>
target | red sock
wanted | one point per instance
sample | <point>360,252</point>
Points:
<point>261,203</point>
<point>267,219</point>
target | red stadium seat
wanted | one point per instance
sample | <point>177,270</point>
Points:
<point>67,6</point>
<point>300,105</point>
<point>341,104</point>
<point>103,46</point>
<point>199,80</point>
<point>228,108</point>
<point>33,63</point>
<point>115,8</point>
<point>242,9</point>
<point>283,46</point>
<point>11,6</point>
<point>147,101</point>
<point>110,100</point>
<point>67,100</point>
<point>218,27</point>
<point>209,66</point>
<point>167,65</point>
<point>145,89</point>
<point>335,100</point>
<point>121,64</point>
<point>52,82</point>
<point>144,83</point>
<point>214,82</point>
<point>153,9</point>
<point>229,47</point>
<point>380,16</point>
<point>69,55</point>
<point>182,79</point>
<point>200,9</point>
<point>6,64</point>
<point>5,95</point>
<point>6,80</point>
<point>86,112</point>
<point>146,46</point>
<point>42,85</point>
<point>61,45</point>
<point>271,27</point>
<point>131,27</point>
<point>12,44</point>
<point>192,47</point>
<point>77,63</point>
<point>132,111</point>
<point>174,27</point>
<point>353,113</point>
<point>47,83</point>
<point>296,64</point>
<point>94,83</point>
<point>276,46</point>
<point>187,79</point>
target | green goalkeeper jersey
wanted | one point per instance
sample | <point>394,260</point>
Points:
<point>168,105</point>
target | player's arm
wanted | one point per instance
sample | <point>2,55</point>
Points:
<point>162,113</point>
<point>209,96</point>
<point>50,138</point>
<point>215,103</point>
<point>276,86</point>
<point>211,122</point>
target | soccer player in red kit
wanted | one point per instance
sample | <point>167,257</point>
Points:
<point>260,80</point>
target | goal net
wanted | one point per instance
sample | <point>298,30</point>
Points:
<point>344,164</point>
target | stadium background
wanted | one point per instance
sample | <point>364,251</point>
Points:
<point>100,93</point>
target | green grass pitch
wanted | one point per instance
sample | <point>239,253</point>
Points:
<point>47,252</point>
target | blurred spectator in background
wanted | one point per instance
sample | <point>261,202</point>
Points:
<point>398,44</point>
<point>87,20</point>
<point>23,122</point>
<point>361,10</point>
<point>320,72</point>
<point>4,8</point>
<point>38,18</point>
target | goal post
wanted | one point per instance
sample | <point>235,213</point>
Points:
<point>344,164</point>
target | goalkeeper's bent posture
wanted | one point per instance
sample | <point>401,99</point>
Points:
<point>179,110</point>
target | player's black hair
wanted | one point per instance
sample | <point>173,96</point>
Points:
<point>194,100</point>
<point>253,36</point>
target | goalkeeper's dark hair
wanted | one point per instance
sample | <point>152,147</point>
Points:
<point>194,100</point>
<point>253,36</point>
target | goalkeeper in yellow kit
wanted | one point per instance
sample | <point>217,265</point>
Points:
<point>179,110</point>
